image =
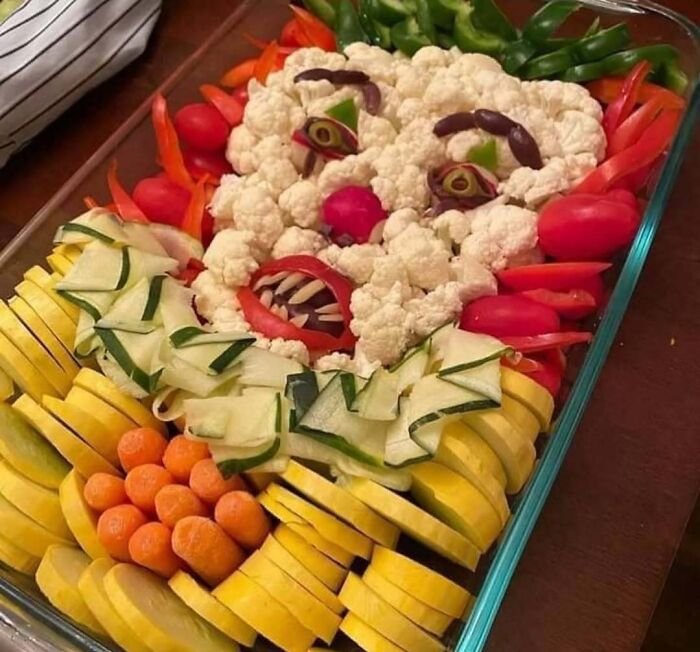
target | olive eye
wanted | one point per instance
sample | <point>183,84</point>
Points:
<point>324,134</point>
<point>461,183</point>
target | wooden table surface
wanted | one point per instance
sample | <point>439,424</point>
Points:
<point>598,558</point>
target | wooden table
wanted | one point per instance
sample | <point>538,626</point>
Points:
<point>596,563</point>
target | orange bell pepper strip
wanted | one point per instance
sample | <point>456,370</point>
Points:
<point>192,223</point>
<point>126,206</point>
<point>169,152</point>
<point>240,74</point>
<point>284,50</point>
<point>605,90</point>
<point>315,30</point>
<point>228,106</point>
<point>90,202</point>
<point>267,62</point>
<point>293,36</point>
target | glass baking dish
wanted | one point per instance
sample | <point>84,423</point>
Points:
<point>35,624</point>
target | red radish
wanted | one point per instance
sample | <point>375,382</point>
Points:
<point>352,213</point>
<point>161,200</point>
<point>505,315</point>
<point>202,126</point>
<point>201,162</point>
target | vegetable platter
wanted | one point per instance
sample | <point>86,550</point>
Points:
<point>294,360</point>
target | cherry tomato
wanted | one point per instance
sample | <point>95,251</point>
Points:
<point>201,126</point>
<point>240,94</point>
<point>508,315</point>
<point>200,162</point>
<point>161,200</point>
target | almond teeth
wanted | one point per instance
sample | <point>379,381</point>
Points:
<point>335,317</point>
<point>269,279</point>
<point>266,298</point>
<point>328,309</point>
<point>288,283</point>
<point>280,311</point>
<point>306,292</point>
<point>299,320</point>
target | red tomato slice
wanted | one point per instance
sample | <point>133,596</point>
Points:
<point>573,304</point>
<point>508,315</point>
<point>550,276</point>
<point>545,341</point>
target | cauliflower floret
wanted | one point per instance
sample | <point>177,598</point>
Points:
<point>436,308</point>
<point>352,170</point>
<point>407,190</point>
<point>425,256</point>
<point>431,57</point>
<point>279,174</point>
<point>411,81</point>
<point>230,257</point>
<point>500,233</point>
<point>272,147</point>
<point>411,109</point>
<point>273,113</point>
<point>239,150</point>
<point>308,58</point>
<point>295,240</point>
<point>210,293</point>
<point>356,261</point>
<point>579,133</point>
<point>312,90</point>
<point>374,131</point>
<point>319,106</point>
<point>227,318</point>
<point>377,63</point>
<point>302,201</point>
<point>293,349</point>
<point>422,146</point>
<point>455,225</point>
<point>390,274</point>
<point>474,279</point>
<point>398,221</point>
<point>391,100</point>
<point>559,96</point>
<point>221,205</point>
<point>254,210</point>
<point>336,361</point>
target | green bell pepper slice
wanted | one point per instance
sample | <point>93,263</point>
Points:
<point>488,17</point>
<point>407,37</point>
<point>547,20</point>
<point>347,26</point>
<point>379,34</point>
<point>322,9</point>
<point>672,76</point>
<point>470,39</point>
<point>424,18</point>
<point>390,12</point>
<point>445,41</point>
<point>444,12</point>
<point>484,155</point>
<point>517,54</point>
<point>548,64</point>
<point>345,112</point>
<point>600,45</point>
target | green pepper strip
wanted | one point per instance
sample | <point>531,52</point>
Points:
<point>322,9</point>
<point>671,76</point>
<point>444,12</point>
<point>547,20</point>
<point>469,39</point>
<point>621,62</point>
<point>407,37</point>
<point>348,28</point>
<point>390,12</point>
<point>488,17</point>
<point>379,33</point>
<point>445,41</point>
<point>517,54</point>
<point>558,42</point>
<point>425,20</point>
<point>485,155</point>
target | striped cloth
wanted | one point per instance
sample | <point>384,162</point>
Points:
<point>52,52</point>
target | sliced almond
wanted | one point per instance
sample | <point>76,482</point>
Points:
<point>291,281</point>
<point>306,292</point>
<point>328,309</point>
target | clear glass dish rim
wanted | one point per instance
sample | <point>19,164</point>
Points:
<point>474,633</point>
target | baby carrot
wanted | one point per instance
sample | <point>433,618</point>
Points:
<point>208,483</point>
<point>104,490</point>
<point>182,454</point>
<point>115,527</point>
<point>175,501</point>
<point>151,547</point>
<point>144,482</point>
<point>206,548</point>
<point>140,446</point>
<point>242,518</point>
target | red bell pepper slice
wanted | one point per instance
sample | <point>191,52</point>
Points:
<point>267,62</point>
<point>522,364</point>
<point>550,276</point>
<point>240,94</point>
<point>546,341</point>
<point>226,105</point>
<point>192,222</point>
<point>315,30</point>
<point>126,206</point>
<point>240,74</point>
<point>573,304</point>
<point>631,130</point>
<point>194,268</point>
<point>607,89</point>
<point>648,148</point>
<point>293,36</point>
<point>553,363</point>
<point>169,152</point>
<point>271,325</point>
<point>90,202</point>
<point>622,106</point>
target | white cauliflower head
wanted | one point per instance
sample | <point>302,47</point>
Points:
<point>230,258</point>
<point>296,240</point>
<point>355,261</point>
<point>425,256</point>
<point>302,202</point>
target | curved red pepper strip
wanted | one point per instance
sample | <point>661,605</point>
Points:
<point>126,206</point>
<point>651,144</point>
<point>522,364</point>
<point>550,276</point>
<point>315,30</point>
<point>240,74</point>
<point>546,341</point>
<point>169,152</point>
<point>293,36</point>
<point>622,106</point>
<point>226,105</point>
<point>631,130</point>
<point>267,62</point>
<point>192,223</point>
<point>607,90</point>
<point>572,304</point>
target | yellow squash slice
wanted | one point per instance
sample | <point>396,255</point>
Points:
<point>16,558</point>
<point>531,394</point>
<point>521,416</point>
<point>481,450</point>
<point>330,573</point>
<point>264,613</point>
<point>367,638</point>
<point>45,335</point>
<point>25,375</point>
<point>460,458</point>
<point>28,452</point>
<point>307,609</point>
<point>39,276</point>
<point>80,518</point>
<point>164,622</point>
<point>37,502</point>
<point>415,522</point>
<point>57,320</point>
<point>70,251</point>
<point>341,503</point>
<point>57,577</point>
<point>107,390</point>
<point>111,418</point>
<point>7,386</point>
<point>327,526</point>
<point>421,582</point>
<point>202,602</point>
<point>516,452</point>
<point>59,263</point>
<point>278,554</point>
<point>86,460</point>
<point>92,590</point>
<point>90,430</point>
<point>13,328</point>
<point>258,481</point>
<point>426,617</point>
<point>382,617</point>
